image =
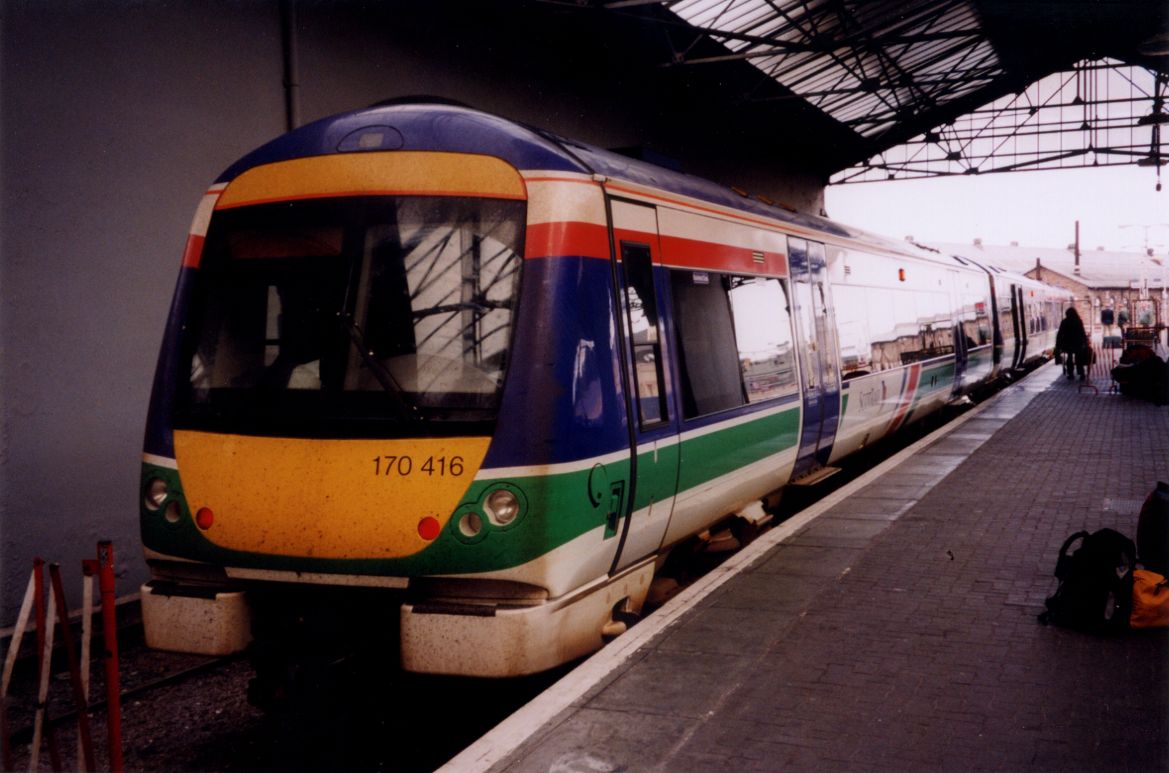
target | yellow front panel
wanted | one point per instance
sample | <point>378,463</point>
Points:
<point>411,173</point>
<point>324,498</point>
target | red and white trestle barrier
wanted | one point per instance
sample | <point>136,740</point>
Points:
<point>50,608</point>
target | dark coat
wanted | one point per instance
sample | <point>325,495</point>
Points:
<point>1071,337</point>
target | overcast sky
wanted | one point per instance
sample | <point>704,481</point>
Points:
<point>1035,209</point>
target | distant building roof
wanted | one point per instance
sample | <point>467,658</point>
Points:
<point>1098,268</point>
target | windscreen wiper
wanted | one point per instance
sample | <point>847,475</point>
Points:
<point>381,372</point>
<point>480,306</point>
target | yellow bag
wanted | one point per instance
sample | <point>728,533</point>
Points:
<point>1150,600</point>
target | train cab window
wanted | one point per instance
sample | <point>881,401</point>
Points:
<point>708,355</point>
<point>336,311</point>
<point>642,309</point>
<point>763,336</point>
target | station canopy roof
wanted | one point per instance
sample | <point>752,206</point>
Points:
<point>865,76</point>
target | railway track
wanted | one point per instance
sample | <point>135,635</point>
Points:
<point>23,733</point>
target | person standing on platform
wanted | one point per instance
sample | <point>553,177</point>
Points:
<point>1072,342</point>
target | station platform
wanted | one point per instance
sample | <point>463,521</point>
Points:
<point>892,626</point>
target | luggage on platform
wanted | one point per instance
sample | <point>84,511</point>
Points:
<point>1095,590</point>
<point>1150,600</point>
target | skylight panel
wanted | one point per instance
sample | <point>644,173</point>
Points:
<point>866,64</point>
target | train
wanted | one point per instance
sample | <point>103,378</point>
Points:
<point>472,382</point>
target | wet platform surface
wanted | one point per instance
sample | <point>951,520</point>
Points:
<point>895,627</point>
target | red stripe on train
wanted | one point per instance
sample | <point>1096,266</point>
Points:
<point>194,251</point>
<point>567,238</point>
<point>693,253</point>
<point>592,241</point>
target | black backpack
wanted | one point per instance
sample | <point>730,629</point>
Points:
<point>1095,583</point>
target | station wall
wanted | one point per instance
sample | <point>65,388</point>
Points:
<point>115,116</point>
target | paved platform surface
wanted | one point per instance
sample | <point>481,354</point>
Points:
<point>897,630</point>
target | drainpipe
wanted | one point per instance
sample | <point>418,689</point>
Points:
<point>291,64</point>
<point>1076,270</point>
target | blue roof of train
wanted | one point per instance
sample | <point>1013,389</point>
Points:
<point>460,129</point>
<point>413,127</point>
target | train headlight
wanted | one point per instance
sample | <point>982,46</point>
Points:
<point>470,525</point>
<point>502,507</point>
<point>156,491</point>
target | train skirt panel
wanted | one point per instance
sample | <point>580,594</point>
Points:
<point>516,640</point>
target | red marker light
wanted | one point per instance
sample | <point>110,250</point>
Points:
<point>901,274</point>
<point>204,518</point>
<point>428,528</point>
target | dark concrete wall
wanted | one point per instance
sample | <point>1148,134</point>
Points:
<point>116,115</point>
<point>114,118</point>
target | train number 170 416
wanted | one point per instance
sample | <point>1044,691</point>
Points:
<point>405,465</point>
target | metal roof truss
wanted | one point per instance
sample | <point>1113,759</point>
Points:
<point>919,84</point>
<point>1100,113</point>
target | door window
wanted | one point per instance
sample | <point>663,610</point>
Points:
<point>642,310</point>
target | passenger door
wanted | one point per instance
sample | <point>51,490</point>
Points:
<point>653,463</point>
<point>1019,314</point>
<point>816,338</point>
<point>963,342</point>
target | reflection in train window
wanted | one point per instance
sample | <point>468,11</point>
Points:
<point>763,334</point>
<point>1006,320</point>
<point>897,339</point>
<point>880,328</point>
<point>852,322</point>
<point>935,326</point>
<point>975,320</point>
<point>333,312</point>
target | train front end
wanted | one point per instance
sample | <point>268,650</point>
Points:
<point>329,384</point>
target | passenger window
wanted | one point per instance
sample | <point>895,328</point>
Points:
<point>642,307</point>
<point>708,356</point>
<point>1006,321</point>
<point>763,336</point>
<point>856,347</point>
<point>897,339</point>
<point>975,323</point>
<point>934,325</point>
